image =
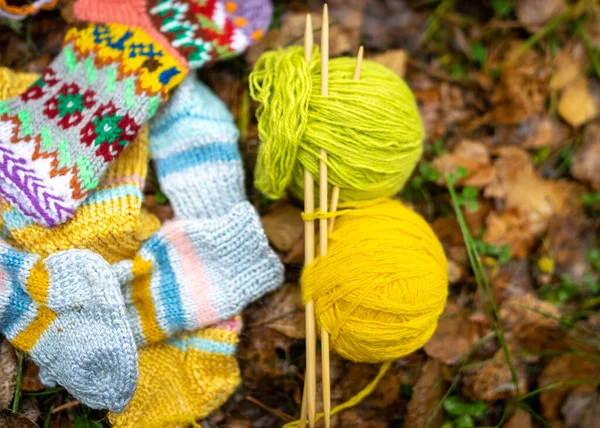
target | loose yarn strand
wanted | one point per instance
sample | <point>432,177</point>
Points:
<point>357,399</point>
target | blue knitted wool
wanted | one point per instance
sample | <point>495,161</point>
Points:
<point>193,141</point>
<point>194,273</point>
<point>214,258</point>
<point>67,312</point>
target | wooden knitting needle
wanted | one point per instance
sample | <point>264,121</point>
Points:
<point>323,222</point>
<point>309,397</point>
<point>335,193</point>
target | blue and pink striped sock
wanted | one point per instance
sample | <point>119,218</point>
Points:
<point>214,258</point>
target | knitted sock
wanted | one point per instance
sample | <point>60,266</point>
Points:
<point>198,31</point>
<point>194,273</point>
<point>58,137</point>
<point>110,222</point>
<point>193,141</point>
<point>185,379</point>
<point>67,312</point>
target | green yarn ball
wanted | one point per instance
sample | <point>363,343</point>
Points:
<point>370,128</point>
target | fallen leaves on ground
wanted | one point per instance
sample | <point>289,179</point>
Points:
<point>586,163</point>
<point>8,373</point>
<point>455,335</point>
<point>427,394</point>
<point>563,369</point>
<point>534,323</point>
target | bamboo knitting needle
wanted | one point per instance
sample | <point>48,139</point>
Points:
<point>335,193</point>
<point>323,222</point>
<point>309,397</point>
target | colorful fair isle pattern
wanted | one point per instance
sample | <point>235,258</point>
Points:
<point>110,222</point>
<point>209,30</point>
<point>59,136</point>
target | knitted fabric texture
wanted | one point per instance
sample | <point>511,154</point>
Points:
<point>58,137</point>
<point>110,222</point>
<point>67,312</point>
<point>193,141</point>
<point>184,379</point>
<point>195,32</point>
<point>194,273</point>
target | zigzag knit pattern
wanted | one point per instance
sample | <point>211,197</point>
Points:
<point>58,137</point>
<point>67,312</point>
<point>199,369</point>
<point>194,273</point>
<point>110,222</point>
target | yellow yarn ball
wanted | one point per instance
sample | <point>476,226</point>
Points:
<point>370,128</point>
<point>383,283</point>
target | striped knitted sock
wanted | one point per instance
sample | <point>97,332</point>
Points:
<point>59,136</point>
<point>67,312</point>
<point>193,142</point>
<point>194,273</point>
<point>199,369</point>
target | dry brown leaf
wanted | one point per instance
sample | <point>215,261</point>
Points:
<point>285,312</point>
<point>535,323</point>
<point>284,226</point>
<point>540,130</point>
<point>581,409</point>
<point>392,24</point>
<point>8,420</point>
<point>427,393</point>
<point>569,65</point>
<point>512,279</point>
<point>395,60</point>
<point>570,238</point>
<point>455,335</point>
<point>493,380</point>
<point>560,369</point>
<point>586,162</point>
<point>471,155</point>
<point>8,374</point>
<point>534,14</point>
<point>523,88</point>
<point>534,198</point>
<point>577,105</point>
<point>31,380</point>
<point>519,419</point>
<point>509,228</point>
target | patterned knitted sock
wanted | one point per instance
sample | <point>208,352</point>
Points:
<point>194,273</point>
<point>67,312</point>
<point>110,222</point>
<point>199,369</point>
<point>58,137</point>
<point>198,31</point>
<point>193,141</point>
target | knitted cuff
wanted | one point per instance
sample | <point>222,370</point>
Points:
<point>193,141</point>
<point>194,273</point>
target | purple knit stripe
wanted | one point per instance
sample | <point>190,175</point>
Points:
<point>48,207</point>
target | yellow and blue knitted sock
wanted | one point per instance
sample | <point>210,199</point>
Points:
<point>68,313</point>
<point>184,379</point>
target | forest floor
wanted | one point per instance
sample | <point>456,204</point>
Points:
<point>509,93</point>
